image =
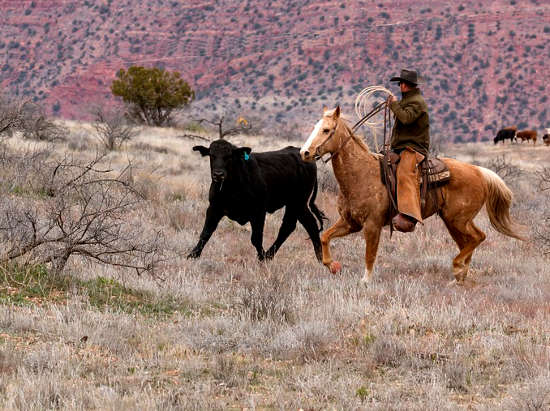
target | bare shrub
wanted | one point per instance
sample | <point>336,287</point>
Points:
<point>9,359</point>
<point>10,115</point>
<point>458,375</point>
<point>242,126</point>
<point>503,167</point>
<point>112,128</point>
<point>388,351</point>
<point>542,231</point>
<point>269,298</point>
<point>36,126</point>
<point>326,180</point>
<point>305,341</point>
<point>534,397</point>
<point>544,179</point>
<point>83,211</point>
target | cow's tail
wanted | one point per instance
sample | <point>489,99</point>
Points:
<point>499,199</point>
<point>314,209</point>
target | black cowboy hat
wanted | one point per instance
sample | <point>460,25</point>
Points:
<point>408,76</point>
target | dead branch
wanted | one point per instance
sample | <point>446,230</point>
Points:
<point>504,168</point>
<point>112,128</point>
<point>243,126</point>
<point>194,136</point>
<point>88,214</point>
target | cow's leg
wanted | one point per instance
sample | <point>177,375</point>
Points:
<point>309,222</point>
<point>257,224</point>
<point>213,217</point>
<point>287,227</point>
<point>339,229</point>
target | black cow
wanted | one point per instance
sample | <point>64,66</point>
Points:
<point>505,133</point>
<point>245,186</point>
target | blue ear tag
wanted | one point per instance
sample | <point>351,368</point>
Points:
<point>246,156</point>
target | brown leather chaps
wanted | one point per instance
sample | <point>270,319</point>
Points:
<point>408,183</point>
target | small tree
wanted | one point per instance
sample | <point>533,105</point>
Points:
<point>112,128</point>
<point>152,94</point>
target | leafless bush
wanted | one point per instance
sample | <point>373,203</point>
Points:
<point>458,375</point>
<point>10,115</point>
<point>544,179</point>
<point>112,128</point>
<point>388,351</point>
<point>82,210</point>
<point>242,126</point>
<point>269,298</point>
<point>24,171</point>
<point>542,231</point>
<point>503,167</point>
<point>326,180</point>
<point>36,126</point>
<point>29,118</point>
<point>534,397</point>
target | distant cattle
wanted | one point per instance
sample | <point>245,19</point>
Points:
<point>546,139</point>
<point>246,186</point>
<point>508,133</point>
<point>527,135</point>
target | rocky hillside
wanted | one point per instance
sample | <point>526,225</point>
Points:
<point>485,63</point>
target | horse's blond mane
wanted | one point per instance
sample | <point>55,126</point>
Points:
<point>343,122</point>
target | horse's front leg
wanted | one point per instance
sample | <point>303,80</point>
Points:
<point>371,232</point>
<point>339,229</point>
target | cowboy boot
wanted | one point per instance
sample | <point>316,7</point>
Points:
<point>404,223</point>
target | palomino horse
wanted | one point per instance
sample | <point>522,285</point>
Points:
<point>363,202</point>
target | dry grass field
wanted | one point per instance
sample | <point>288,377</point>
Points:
<point>228,332</point>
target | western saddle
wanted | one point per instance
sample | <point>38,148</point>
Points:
<point>434,173</point>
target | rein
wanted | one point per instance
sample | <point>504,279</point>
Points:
<point>373,112</point>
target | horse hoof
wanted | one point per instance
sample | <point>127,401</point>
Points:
<point>335,267</point>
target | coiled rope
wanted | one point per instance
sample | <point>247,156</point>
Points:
<point>367,100</point>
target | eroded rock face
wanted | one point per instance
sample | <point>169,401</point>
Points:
<point>482,63</point>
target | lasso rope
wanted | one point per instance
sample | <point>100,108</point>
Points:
<point>364,103</point>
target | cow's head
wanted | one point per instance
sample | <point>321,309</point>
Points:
<point>224,157</point>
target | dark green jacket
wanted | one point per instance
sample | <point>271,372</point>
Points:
<point>412,122</point>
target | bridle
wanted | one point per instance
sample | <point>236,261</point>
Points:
<point>374,111</point>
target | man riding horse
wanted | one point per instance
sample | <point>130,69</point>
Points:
<point>411,141</point>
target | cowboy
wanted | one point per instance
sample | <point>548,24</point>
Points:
<point>411,140</point>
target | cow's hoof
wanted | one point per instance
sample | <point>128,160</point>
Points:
<point>335,267</point>
<point>193,255</point>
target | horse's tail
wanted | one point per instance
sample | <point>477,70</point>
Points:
<point>499,199</point>
<point>314,209</point>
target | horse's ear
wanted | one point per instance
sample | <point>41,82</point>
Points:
<point>336,114</point>
<point>325,108</point>
<point>205,151</point>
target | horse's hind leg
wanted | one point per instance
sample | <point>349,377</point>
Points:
<point>339,229</point>
<point>467,236</point>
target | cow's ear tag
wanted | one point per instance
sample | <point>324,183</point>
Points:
<point>246,156</point>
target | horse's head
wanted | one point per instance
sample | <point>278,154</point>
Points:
<point>324,137</point>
